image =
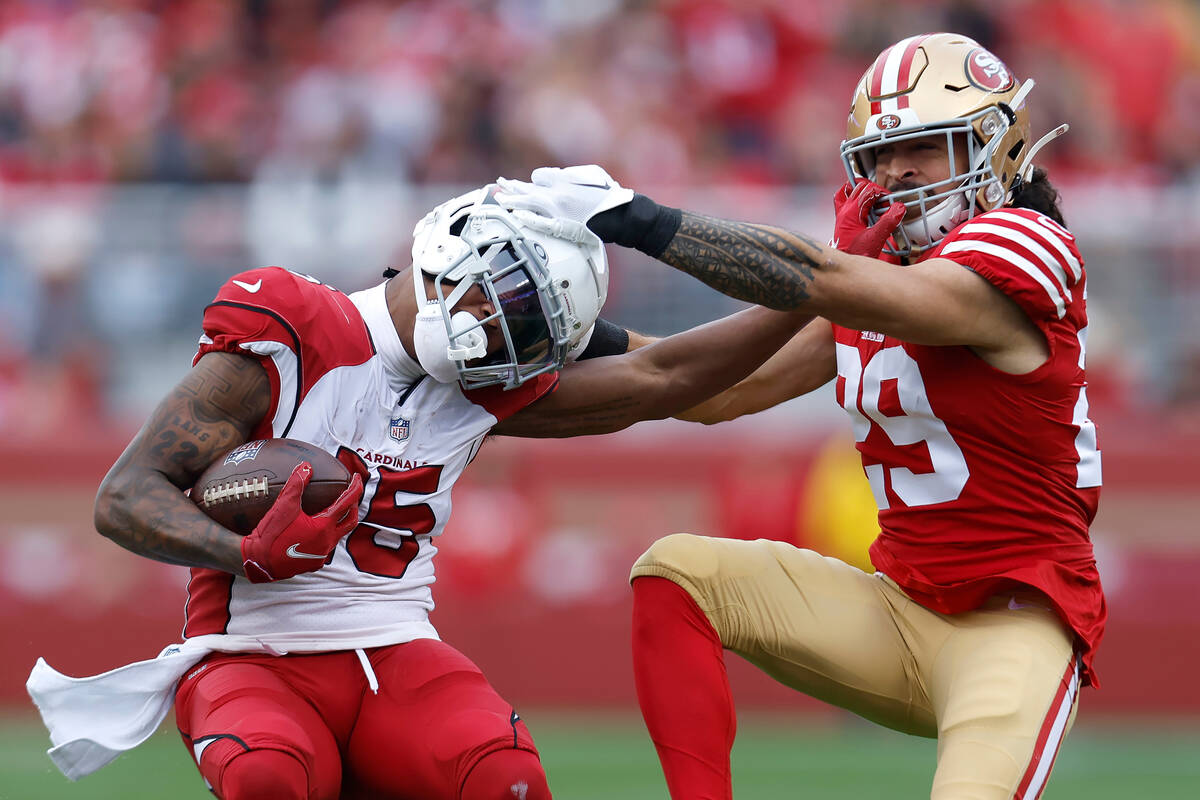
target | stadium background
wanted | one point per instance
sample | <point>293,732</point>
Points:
<point>149,149</point>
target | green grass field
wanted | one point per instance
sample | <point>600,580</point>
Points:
<point>592,757</point>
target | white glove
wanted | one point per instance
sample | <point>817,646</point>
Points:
<point>571,193</point>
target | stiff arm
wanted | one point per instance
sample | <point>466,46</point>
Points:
<point>141,505</point>
<point>935,302</point>
<point>659,380</point>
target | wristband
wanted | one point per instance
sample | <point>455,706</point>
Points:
<point>641,224</point>
<point>607,339</point>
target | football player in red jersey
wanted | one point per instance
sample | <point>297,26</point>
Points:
<point>310,668</point>
<point>957,344</point>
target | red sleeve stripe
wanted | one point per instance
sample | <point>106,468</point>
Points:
<point>1047,234</point>
<point>1006,254</point>
<point>1049,262</point>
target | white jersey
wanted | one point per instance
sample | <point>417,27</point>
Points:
<point>340,379</point>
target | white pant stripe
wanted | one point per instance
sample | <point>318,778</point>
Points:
<point>1045,759</point>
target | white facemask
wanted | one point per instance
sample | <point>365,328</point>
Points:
<point>432,342</point>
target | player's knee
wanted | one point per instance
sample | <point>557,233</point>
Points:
<point>506,775</point>
<point>681,557</point>
<point>264,775</point>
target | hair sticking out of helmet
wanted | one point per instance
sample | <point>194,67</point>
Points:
<point>942,84</point>
<point>546,292</point>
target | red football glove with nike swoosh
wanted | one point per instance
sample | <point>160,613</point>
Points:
<point>852,231</point>
<point>287,542</point>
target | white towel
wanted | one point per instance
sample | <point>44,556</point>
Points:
<point>93,720</point>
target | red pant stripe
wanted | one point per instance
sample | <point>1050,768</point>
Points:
<point>1050,737</point>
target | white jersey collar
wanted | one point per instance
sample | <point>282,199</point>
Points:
<point>402,370</point>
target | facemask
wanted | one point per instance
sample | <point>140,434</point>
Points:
<point>432,343</point>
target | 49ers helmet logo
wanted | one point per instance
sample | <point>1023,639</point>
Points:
<point>887,122</point>
<point>987,72</point>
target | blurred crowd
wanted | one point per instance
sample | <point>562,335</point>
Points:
<point>457,91</point>
<point>150,148</point>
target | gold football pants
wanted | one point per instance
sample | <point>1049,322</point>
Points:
<point>997,686</point>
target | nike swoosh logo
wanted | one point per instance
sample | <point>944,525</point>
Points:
<point>294,553</point>
<point>251,288</point>
<point>595,185</point>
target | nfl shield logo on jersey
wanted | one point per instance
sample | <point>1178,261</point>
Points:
<point>399,429</point>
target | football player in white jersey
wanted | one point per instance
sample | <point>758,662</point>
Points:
<point>957,341</point>
<point>323,677</point>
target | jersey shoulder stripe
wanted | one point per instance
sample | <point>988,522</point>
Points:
<point>1046,231</point>
<point>1003,253</point>
<point>1024,254</point>
<point>1038,255</point>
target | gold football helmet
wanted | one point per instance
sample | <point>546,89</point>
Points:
<point>947,84</point>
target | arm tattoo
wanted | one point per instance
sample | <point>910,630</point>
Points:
<point>756,263</point>
<point>141,505</point>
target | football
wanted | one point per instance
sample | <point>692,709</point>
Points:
<point>237,489</point>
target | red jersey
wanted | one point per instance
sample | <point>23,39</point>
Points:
<point>986,481</point>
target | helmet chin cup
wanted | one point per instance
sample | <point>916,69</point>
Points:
<point>470,341</point>
<point>934,223</point>
<point>431,340</point>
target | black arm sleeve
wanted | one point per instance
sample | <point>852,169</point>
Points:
<point>641,223</point>
<point>607,340</point>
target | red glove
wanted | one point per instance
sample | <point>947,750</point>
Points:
<point>287,542</point>
<point>852,231</point>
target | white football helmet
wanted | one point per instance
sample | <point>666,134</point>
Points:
<point>547,292</point>
<point>943,83</point>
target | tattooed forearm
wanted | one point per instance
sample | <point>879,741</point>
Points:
<point>144,513</point>
<point>755,263</point>
<point>141,504</point>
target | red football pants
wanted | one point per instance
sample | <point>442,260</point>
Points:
<point>308,726</point>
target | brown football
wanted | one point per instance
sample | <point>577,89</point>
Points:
<point>237,489</point>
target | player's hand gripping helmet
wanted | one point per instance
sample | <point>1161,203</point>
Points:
<point>546,291</point>
<point>943,83</point>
